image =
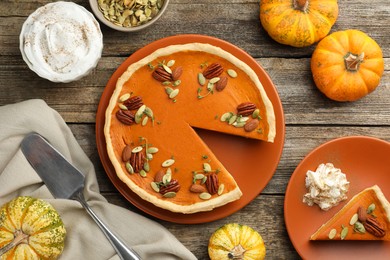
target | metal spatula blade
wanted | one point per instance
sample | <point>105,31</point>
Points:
<point>66,182</point>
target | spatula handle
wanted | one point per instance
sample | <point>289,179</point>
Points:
<point>124,252</point>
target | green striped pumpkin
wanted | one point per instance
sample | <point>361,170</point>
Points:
<point>30,228</point>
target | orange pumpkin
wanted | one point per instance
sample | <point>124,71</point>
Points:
<point>298,23</point>
<point>347,65</point>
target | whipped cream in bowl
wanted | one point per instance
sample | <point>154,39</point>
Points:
<point>326,186</point>
<point>61,41</point>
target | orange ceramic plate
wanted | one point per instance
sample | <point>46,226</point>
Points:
<point>251,162</point>
<point>365,161</point>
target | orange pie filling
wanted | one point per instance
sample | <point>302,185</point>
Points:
<point>155,106</point>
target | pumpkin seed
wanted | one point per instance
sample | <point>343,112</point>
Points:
<point>201,79</point>
<point>204,179</point>
<point>205,195</point>
<point>166,83</point>
<point>124,97</point>
<point>168,90</point>
<point>168,163</point>
<point>137,119</point>
<point>353,219</point>
<point>225,117</point>
<point>239,124</point>
<point>152,150</point>
<point>137,149</point>
<point>145,121</point>
<point>221,188</point>
<point>155,186</point>
<point>148,111</point>
<point>199,176</point>
<point>167,69</point>
<point>142,173</point>
<point>149,156</point>
<point>129,168</point>
<point>332,233</point>
<point>206,167</point>
<point>167,178</point>
<point>123,107</point>
<point>344,233</point>
<point>170,194</point>
<point>214,80</point>
<point>359,227</point>
<point>371,208</point>
<point>232,73</point>
<point>176,83</point>
<point>140,111</point>
<point>174,93</point>
<point>232,119</point>
<point>171,63</point>
<point>256,113</point>
<point>210,86</point>
<point>169,171</point>
<point>146,167</point>
<point>242,119</point>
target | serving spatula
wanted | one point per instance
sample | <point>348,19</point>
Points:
<point>64,181</point>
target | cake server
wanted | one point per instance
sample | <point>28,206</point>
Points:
<point>64,181</point>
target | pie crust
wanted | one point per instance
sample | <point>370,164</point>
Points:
<point>170,129</point>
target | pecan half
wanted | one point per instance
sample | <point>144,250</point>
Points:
<point>212,71</point>
<point>125,117</point>
<point>133,103</point>
<point>172,186</point>
<point>137,161</point>
<point>374,227</point>
<point>176,73</point>
<point>212,183</point>
<point>161,74</point>
<point>246,108</point>
<point>362,214</point>
<point>197,188</point>
<point>126,153</point>
<point>159,176</point>
<point>221,84</point>
<point>251,125</point>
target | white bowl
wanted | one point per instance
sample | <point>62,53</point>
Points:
<point>61,41</point>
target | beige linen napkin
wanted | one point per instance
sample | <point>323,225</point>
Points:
<point>84,239</point>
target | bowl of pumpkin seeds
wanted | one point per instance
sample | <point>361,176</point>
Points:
<point>128,15</point>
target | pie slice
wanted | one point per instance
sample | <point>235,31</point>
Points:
<point>365,217</point>
<point>151,114</point>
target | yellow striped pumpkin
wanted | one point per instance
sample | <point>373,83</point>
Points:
<point>30,229</point>
<point>235,241</point>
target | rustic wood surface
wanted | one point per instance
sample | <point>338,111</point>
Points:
<point>311,119</point>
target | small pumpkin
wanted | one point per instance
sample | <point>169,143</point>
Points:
<point>347,65</point>
<point>235,241</point>
<point>30,228</point>
<point>298,23</point>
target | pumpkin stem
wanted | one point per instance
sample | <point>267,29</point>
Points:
<point>352,61</point>
<point>237,253</point>
<point>301,5</point>
<point>19,237</point>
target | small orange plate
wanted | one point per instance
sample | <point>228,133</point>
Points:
<point>365,161</point>
<point>251,162</point>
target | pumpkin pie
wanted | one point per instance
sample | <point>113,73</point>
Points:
<point>365,217</point>
<point>151,116</point>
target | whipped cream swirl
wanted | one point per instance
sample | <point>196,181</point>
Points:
<point>61,41</point>
<point>327,186</point>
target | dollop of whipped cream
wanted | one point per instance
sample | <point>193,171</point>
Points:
<point>327,186</point>
<point>61,41</point>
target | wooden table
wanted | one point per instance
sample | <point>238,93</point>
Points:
<point>311,119</point>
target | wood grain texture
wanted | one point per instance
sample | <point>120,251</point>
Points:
<point>311,118</point>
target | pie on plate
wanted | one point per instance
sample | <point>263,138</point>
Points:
<point>365,217</point>
<point>151,115</point>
